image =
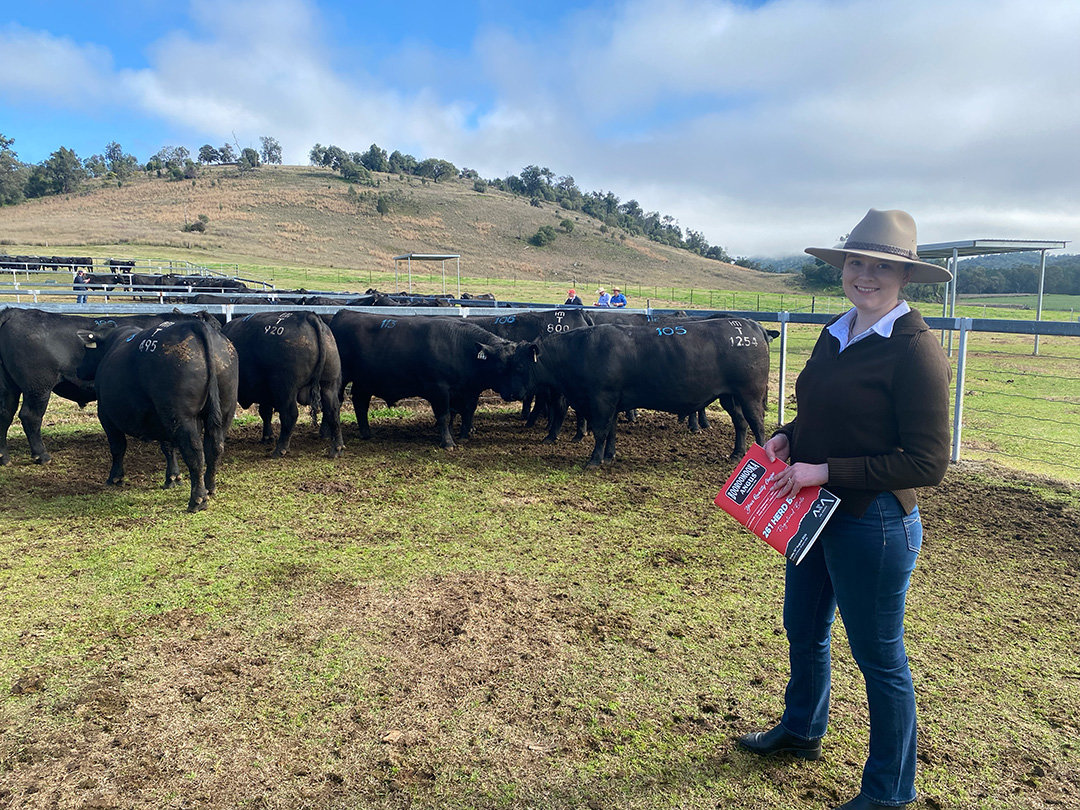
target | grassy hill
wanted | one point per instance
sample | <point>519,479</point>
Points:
<point>306,217</point>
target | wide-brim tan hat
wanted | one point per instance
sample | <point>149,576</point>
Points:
<point>888,235</point>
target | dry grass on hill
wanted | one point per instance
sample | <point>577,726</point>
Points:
<point>309,217</point>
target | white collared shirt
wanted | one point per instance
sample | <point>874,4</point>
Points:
<point>841,328</point>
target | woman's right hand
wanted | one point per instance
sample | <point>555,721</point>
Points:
<point>777,448</point>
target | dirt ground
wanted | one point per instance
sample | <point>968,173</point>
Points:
<point>151,718</point>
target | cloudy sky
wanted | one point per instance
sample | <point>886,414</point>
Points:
<point>768,126</point>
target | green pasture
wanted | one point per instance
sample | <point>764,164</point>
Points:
<point>491,627</point>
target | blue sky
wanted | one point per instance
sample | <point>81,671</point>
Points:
<point>768,126</point>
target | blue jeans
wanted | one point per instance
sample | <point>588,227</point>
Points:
<point>863,566</point>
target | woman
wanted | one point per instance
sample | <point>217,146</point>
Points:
<point>872,424</point>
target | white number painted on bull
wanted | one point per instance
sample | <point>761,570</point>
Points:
<point>743,340</point>
<point>670,330</point>
<point>388,323</point>
<point>558,327</point>
<point>273,329</point>
<point>148,345</point>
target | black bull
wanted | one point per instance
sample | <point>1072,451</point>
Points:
<point>447,361</point>
<point>677,367</point>
<point>175,384</point>
<point>39,355</point>
<point>288,358</point>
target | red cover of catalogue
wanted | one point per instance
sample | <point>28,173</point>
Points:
<point>790,525</point>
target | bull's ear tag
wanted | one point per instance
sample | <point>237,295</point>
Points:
<point>480,355</point>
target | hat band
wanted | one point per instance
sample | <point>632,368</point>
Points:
<point>896,251</point>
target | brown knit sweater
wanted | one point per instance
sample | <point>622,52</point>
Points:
<point>877,413</point>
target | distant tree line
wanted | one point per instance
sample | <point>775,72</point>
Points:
<point>539,184</point>
<point>64,172</point>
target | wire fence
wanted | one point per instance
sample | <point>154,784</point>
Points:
<point>1009,403</point>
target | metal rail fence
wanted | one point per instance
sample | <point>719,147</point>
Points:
<point>1059,412</point>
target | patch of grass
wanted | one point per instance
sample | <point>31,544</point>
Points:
<point>491,627</point>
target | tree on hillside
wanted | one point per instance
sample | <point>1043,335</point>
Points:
<point>270,151</point>
<point>208,154</point>
<point>401,163</point>
<point>95,166</point>
<point>13,173</point>
<point>119,163</point>
<point>61,173</point>
<point>375,159</point>
<point>249,159</point>
<point>537,182</point>
<point>227,154</point>
<point>436,168</point>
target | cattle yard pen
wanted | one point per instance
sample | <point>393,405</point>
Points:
<point>992,417</point>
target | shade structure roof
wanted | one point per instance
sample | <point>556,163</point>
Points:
<point>985,247</point>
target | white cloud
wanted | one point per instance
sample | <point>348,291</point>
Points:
<point>54,71</point>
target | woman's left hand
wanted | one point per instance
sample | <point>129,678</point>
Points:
<point>790,480</point>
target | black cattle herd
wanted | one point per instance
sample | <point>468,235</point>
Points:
<point>177,378</point>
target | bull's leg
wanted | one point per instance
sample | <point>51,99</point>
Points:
<point>738,421</point>
<point>468,413</point>
<point>609,442</point>
<point>213,449</point>
<point>31,414</point>
<point>172,466</point>
<point>331,420</point>
<point>753,409</point>
<point>9,402</point>
<point>703,420</point>
<point>117,449</point>
<point>527,409</point>
<point>288,413</point>
<point>582,427</point>
<point>441,408</point>
<point>556,416</point>
<point>361,404</point>
<point>539,403</point>
<point>190,444</point>
<point>603,427</point>
<point>692,422</point>
<point>266,413</point>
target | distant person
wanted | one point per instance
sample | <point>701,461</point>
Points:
<point>602,298</point>
<point>79,286</point>
<point>618,299</point>
<point>573,299</point>
<point>872,426</point>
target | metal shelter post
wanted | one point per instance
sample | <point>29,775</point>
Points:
<point>952,296</point>
<point>958,403</point>
<point>784,317</point>
<point>1039,305</point>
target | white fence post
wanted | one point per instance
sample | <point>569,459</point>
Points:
<point>964,325</point>
<point>783,317</point>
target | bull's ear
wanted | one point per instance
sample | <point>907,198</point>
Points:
<point>484,351</point>
<point>534,350</point>
<point>89,339</point>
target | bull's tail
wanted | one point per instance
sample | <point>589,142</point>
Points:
<point>312,389</point>
<point>212,416</point>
